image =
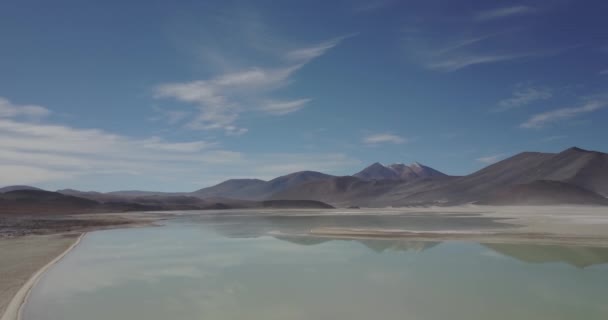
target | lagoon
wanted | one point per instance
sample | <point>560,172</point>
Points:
<point>263,268</point>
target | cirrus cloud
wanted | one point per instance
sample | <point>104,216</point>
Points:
<point>551,117</point>
<point>220,100</point>
<point>383,138</point>
<point>40,152</point>
<point>504,12</point>
<point>523,96</point>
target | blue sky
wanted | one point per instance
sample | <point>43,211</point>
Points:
<point>178,95</point>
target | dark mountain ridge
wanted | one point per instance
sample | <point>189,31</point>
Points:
<point>573,176</point>
<point>254,189</point>
<point>581,173</point>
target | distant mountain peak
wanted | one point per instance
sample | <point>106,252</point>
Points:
<point>577,149</point>
<point>580,150</point>
<point>397,171</point>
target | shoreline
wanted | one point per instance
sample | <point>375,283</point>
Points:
<point>15,306</point>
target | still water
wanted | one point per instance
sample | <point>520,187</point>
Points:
<point>231,268</point>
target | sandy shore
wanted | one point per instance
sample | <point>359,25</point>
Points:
<point>29,245</point>
<point>24,260</point>
<point>555,225</point>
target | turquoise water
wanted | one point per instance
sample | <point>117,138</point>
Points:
<point>220,269</point>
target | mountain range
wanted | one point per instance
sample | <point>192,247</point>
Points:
<point>573,176</point>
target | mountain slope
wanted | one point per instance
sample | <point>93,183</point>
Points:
<point>234,188</point>
<point>377,171</point>
<point>353,191</point>
<point>545,192</point>
<point>573,176</point>
<point>581,168</point>
<point>397,171</point>
<point>45,202</point>
<point>16,188</point>
<point>253,189</point>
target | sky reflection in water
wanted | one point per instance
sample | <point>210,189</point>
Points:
<point>230,269</point>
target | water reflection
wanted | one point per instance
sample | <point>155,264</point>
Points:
<point>233,269</point>
<point>256,225</point>
<point>294,229</point>
<point>376,245</point>
<point>576,256</point>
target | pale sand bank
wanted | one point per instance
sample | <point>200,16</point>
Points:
<point>560,225</point>
<point>24,260</point>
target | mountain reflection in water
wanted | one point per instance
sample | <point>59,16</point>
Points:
<point>293,229</point>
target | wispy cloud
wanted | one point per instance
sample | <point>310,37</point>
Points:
<point>462,43</point>
<point>34,152</point>
<point>454,63</point>
<point>427,43</point>
<point>524,95</point>
<point>551,117</point>
<point>220,100</point>
<point>306,54</point>
<point>284,107</point>
<point>455,52</point>
<point>383,138</point>
<point>11,110</point>
<point>500,13</point>
<point>53,152</point>
<point>491,158</point>
<point>604,72</point>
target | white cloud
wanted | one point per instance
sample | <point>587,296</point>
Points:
<point>462,43</point>
<point>384,138</point>
<point>222,99</point>
<point>464,46</point>
<point>457,52</point>
<point>175,116</point>
<point>454,63</point>
<point>11,110</point>
<point>491,158</point>
<point>505,12</point>
<point>523,96</point>
<point>284,107</point>
<point>156,143</point>
<point>604,72</point>
<point>45,153</point>
<point>304,55</point>
<point>543,119</point>
<point>19,174</point>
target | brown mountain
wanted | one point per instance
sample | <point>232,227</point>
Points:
<point>16,188</point>
<point>254,189</point>
<point>544,192</point>
<point>573,176</point>
<point>583,177</point>
<point>397,171</point>
<point>578,167</point>
<point>352,191</point>
<point>45,202</point>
